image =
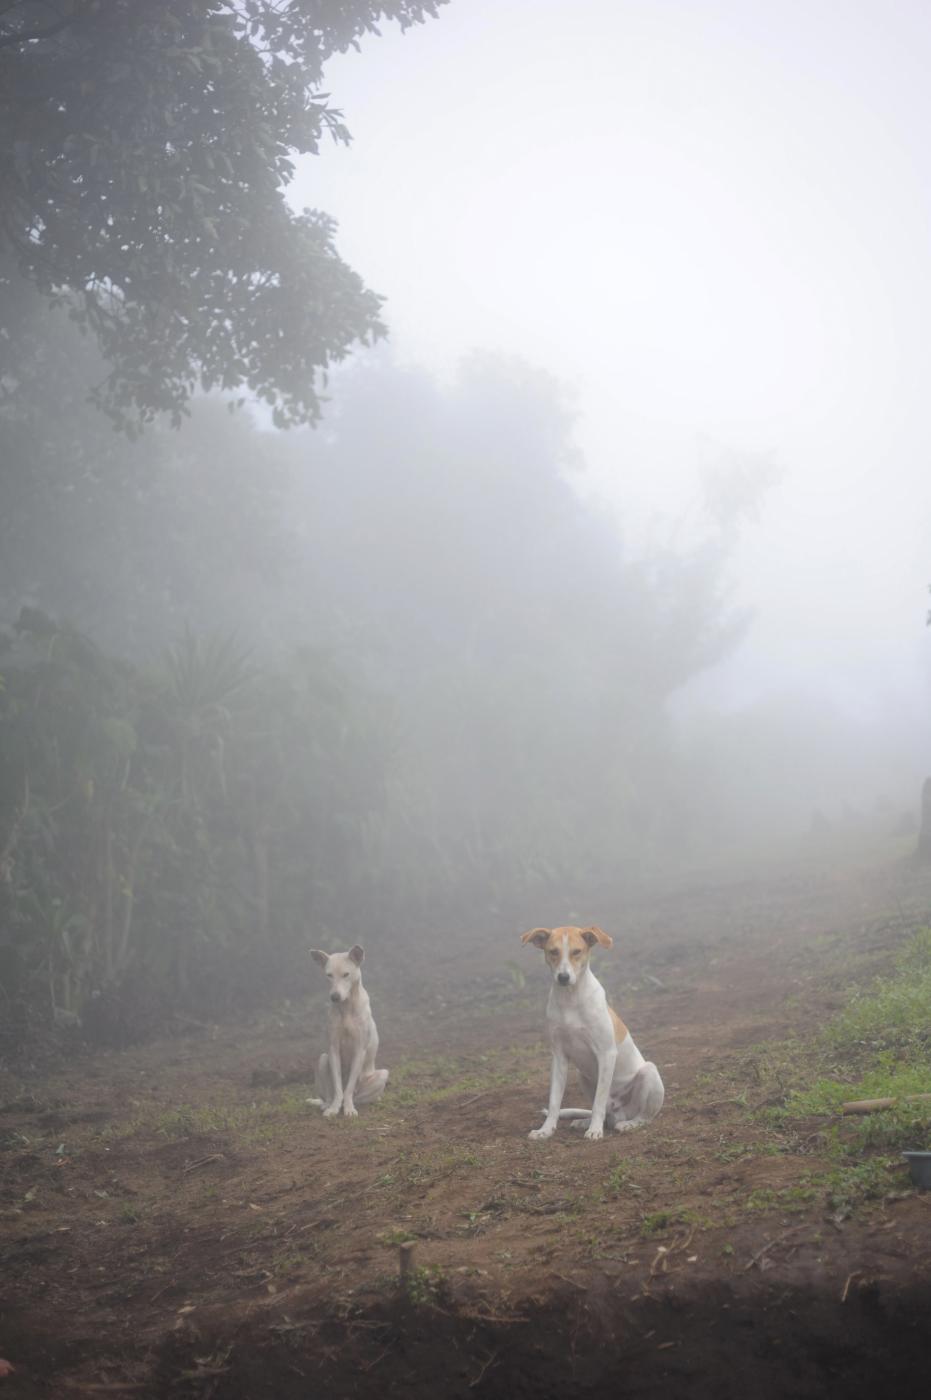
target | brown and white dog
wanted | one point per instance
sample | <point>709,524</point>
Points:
<point>625,1089</point>
<point>353,1039</point>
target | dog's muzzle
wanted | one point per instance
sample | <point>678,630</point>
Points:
<point>563,979</point>
<point>335,996</point>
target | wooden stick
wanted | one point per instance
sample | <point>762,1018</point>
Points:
<point>406,1252</point>
<point>877,1105</point>
<point>203,1162</point>
<point>769,1245</point>
<point>493,1357</point>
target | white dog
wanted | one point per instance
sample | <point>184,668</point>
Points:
<point>353,1039</point>
<point>625,1089</point>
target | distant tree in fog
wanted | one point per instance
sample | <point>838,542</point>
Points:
<point>133,540</point>
<point>455,704</point>
<point>531,654</point>
<point>735,484</point>
<point>145,149</point>
<point>168,836</point>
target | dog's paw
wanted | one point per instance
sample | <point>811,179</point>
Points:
<point>331,1110</point>
<point>350,1110</point>
<point>541,1133</point>
<point>593,1134</point>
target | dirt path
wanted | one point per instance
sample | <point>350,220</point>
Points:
<point>175,1219</point>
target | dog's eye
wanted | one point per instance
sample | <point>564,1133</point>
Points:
<point>346,974</point>
<point>330,975</point>
<point>577,952</point>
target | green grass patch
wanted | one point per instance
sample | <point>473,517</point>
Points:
<point>842,1189</point>
<point>618,1182</point>
<point>424,1168</point>
<point>253,1122</point>
<point>850,1185</point>
<point>797,1197</point>
<point>427,1287</point>
<point>879,1046</point>
<point>435,1078</point>
<point>893,1014</point>
<point>741,1151</point>
<point>398,1236</point>
<point>887,1079</point>
<point>658,1221</point>
<point>905,1126</point>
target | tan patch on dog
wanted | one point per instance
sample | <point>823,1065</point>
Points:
<point>574,941</point>
<point>620,1030</point>
<point>574,936</point>
<point>539,937</point>
<point>580,941</point>
<point>583,938</point>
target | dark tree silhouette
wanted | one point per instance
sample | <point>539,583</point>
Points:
<point>145,150</point>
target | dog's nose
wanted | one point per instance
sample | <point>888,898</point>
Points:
<point>562,978</point>
<point>334,996</point>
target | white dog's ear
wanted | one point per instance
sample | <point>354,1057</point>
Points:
<point>357,954</point>
<point>594,935</point>
<point>319,957</point>
<point>536,936</point>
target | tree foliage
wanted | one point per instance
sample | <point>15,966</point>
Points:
<point>132,540</point>
<point>145,150</point>
<point>175,832</point>
<point>449,702</point>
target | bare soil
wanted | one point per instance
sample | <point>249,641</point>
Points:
<point>175,1220</point>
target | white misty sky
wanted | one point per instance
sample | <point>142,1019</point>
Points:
<point>712,220</point>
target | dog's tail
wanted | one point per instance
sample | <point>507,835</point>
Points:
<point>572,1112</point>
<point>315,1103</point>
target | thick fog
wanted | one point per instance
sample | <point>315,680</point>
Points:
<point>711,222</point>
<point>611,563</point>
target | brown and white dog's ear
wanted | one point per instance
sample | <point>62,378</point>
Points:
<point>357,954</point>
<point>594,934</point>
<point>536,936</point>
<point>319,957</point>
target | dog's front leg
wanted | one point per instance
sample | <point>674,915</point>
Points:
<point>607,1059</point>
<point>558,1075</point>
<point>336,1071</point>
<point>355,1069</point>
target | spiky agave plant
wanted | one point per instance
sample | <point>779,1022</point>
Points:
<point>204,677</point>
